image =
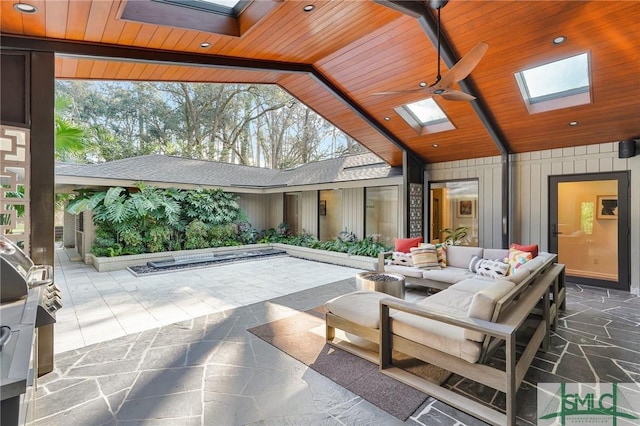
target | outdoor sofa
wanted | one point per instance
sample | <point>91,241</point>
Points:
<point>456,266</point>
<point>458,329</point>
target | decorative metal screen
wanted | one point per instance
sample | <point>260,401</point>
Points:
<point>14,183</point>
<point>415,210</point>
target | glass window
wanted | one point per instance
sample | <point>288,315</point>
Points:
<point>556,85</point>
<point>381,213</point>
<point>330,214</point>
<point>453,214</point>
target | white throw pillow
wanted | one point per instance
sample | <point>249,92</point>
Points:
<point>493,269</point>
<point>400,258</point>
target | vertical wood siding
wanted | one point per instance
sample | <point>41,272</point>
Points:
<point>353,211</point>
<point>256,206</point>
<point>309,220</point>
<point>530,172</point>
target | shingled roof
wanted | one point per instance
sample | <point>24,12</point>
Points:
<point>186,171</point>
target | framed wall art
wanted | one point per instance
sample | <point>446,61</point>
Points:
<point>322,208</point>
<point>466,208</point>
<point>607,207</point>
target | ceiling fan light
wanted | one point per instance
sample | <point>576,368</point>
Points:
<point>422,84</point>
<point>387,118</point>
<point>308,8</point>
<point>205,44</point>
<point>573,123</point>
<point>25,8</point>
<point>559,40</point>
<point>435,145</point>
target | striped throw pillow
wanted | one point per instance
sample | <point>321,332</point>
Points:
<point>424,257</point>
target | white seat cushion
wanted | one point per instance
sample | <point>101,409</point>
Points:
<point>450,275</point>
<point>360,307</point>
<point>437,335</point>
<point>407,271</point>
<point>473,285</point>
<point>449,300</point>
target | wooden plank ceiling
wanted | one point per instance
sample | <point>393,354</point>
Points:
<point>363,47</point>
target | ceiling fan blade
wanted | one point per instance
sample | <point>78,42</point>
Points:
<point>464,66</point>
<point>397,92</point>
<point>456,95</point>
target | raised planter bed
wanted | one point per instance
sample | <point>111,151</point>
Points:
<point>106,264</point>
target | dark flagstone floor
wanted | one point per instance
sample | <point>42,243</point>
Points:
<point>211,371</point>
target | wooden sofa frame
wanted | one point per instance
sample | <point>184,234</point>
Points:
<point>541,296</point>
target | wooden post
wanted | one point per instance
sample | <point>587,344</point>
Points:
<point>385,337</point>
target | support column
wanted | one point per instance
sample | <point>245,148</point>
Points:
<point>42,100</point>
<point>413,195</point>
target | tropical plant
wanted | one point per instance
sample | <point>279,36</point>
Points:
<point>212,206</point>
<point>455,237</point>
<point>70,138</point>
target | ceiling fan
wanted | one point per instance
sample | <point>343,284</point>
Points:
<point>442,86</point>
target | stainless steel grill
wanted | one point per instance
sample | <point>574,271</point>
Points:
<point>28,302</point>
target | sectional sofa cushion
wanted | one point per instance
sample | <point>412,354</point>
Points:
<point>360,307</point>
<point>472,285</point>
<point>495,254</point>
<point>404,244</point>
<point>459,256</point>
<point>435,334</point>
<point>519,275</point>
<point>455,301</point>
<point>407,271</point>
<point>448,275</point>
<point>483,304</point>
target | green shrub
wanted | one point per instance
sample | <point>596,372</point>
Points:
<point>196,235</point>
<point>223,235</point>
<point>158,238</point>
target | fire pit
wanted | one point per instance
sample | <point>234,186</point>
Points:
<point>385,282</point>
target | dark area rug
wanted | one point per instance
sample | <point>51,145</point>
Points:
<point>301,336</point>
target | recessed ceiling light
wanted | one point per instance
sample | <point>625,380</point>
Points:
<point>387,118</point>
<point>559,40</point>
<point>435,145</point>
<point>308,8</point>
<point>205,44</point>
<point>25,8</point>
<point>422,84</point>
<point>573,123</point>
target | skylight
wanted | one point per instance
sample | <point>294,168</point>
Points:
<point>556,85</point>
<point>425,116</point>
<point>225,7</point>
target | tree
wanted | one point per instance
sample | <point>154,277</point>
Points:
<point>259,125</point>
